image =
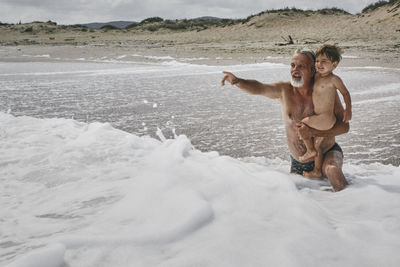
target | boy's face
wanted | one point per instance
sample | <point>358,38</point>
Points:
<point>324,65</point>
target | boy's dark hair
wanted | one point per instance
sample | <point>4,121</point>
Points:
<point>333,52</point>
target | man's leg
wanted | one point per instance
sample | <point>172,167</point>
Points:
<point>332,169</point>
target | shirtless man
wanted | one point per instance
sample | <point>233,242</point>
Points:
<point>296,103</point>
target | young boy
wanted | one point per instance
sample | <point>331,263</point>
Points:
<point>323,96</point>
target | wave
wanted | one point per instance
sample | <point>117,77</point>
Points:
<point>83,194</point>
<point>395,98</point>
<point>387,88</point>
<point>114,67</point>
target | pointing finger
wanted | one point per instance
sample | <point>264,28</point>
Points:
<point>223,81</point>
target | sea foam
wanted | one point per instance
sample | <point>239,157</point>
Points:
<point>80,194</point>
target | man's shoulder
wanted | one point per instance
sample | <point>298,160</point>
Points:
<point>284,85</point>
<point>286,88</point>
<point>276,89</point>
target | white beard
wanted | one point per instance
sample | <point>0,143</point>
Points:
<point>297,83</point>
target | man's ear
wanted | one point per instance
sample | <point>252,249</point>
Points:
<point>335,64</point>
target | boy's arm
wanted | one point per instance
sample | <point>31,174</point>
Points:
<point>339,128</point>
<point>346,97</point>
<point>273,90</point>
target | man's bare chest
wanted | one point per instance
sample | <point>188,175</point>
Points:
<point>297,109</point>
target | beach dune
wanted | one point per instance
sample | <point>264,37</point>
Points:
<point>373,34</point>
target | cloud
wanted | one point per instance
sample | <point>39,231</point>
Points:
<point>82,11</point>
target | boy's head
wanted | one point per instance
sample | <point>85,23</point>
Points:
<point>332,52</point>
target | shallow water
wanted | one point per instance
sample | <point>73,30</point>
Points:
<point>188,98</point>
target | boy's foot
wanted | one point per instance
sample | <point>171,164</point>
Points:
<point>313,174</point>
<point>308,155</point>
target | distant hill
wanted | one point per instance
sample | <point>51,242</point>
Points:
<point>118,24</point>
<point>208,18</point>
<point>373,6</point>
<point>124,24</point>
<point>377,25</point>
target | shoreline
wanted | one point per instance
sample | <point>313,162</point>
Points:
<point>216,54</point>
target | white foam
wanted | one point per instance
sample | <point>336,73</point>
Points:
<point>395,98</point>
<point>37,56</point>
<point>80,194</point>
<point>193,59</point>
<point>49,256</point>
<point>160,57</point>
<point>370,68</point>
<point>98,68</point>
<point>350,57</point>
<point>387,88</point>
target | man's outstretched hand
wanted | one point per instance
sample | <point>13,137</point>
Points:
<point>229,77</point>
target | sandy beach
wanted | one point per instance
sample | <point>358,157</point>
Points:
<point>370,38</point>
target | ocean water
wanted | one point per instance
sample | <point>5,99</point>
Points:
<point>188,98</point>
<point>113,163</point>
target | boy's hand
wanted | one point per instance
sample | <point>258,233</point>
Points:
<point>303,131</point>
<point>347,115</point>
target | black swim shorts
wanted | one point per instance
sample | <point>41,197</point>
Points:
<point>298,167</point>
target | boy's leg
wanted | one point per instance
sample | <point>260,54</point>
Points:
<point>317,172</point>
<point>311,152</point>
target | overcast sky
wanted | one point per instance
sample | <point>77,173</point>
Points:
<point>84,11</point>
